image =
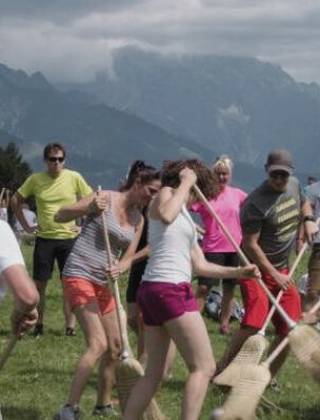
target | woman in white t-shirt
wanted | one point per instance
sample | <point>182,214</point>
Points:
<point>169,308</point>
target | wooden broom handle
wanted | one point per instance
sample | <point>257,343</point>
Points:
<point>242,256</point>
<point>285,341</point>
<point>3,190</point>
<point>114,283</point>
<point>7,351</point>
<point>292,270</point>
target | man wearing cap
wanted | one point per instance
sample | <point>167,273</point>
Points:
<point>270,219</point>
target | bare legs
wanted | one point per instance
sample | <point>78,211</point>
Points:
<point>41,287</point>
<point>226,303</point>
<point>135,321</point>
<point>97,331</point>
<point>70,319</point>
<point>191,338</point>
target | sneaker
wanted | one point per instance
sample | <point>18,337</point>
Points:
<point>68,413</point>
<point>104,411</point>
<point>274,385</point>
<point>70,332</point>
<point>38,330</point>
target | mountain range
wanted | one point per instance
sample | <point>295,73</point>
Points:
<point>158,107</point>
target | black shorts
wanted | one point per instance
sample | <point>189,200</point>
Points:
<point>229,259</point>
<point>135,276</point>
<point>46,251</point>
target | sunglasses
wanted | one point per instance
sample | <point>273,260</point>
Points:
<point>278,174</point>
<point>55,159</point>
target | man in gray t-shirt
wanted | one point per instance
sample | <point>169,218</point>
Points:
<point>270,218</point>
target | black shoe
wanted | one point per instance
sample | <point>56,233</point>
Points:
<point>105,411</point>
<point>70,332</point>
<point>38,330</point>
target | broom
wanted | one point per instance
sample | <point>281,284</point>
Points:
<point>3,190</point>
<point>304,340</point>
<point>245,395</point>
<point>129,370</point>
<point>254,347</point>
<point>7,351</point>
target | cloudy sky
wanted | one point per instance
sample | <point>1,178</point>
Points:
<point>73,39</point>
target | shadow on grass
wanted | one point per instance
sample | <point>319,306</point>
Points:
<point>14,413</point>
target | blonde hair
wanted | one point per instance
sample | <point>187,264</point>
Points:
<point>223,162</point>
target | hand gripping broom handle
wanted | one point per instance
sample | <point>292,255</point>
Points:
<point>292,270</point>
<point>283,343</point>
<point>114,284</point>
<point>242,256</point>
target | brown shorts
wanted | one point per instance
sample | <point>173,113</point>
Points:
<point>314,269</point>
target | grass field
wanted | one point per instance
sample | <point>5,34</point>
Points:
<point>35,380</point>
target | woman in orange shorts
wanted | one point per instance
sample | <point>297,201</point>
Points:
<point>85,277</point>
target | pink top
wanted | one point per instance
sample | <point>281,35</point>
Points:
<point>227,205</point>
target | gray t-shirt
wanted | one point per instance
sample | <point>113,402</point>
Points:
<point>276,215</point>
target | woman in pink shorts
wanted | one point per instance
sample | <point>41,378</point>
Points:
<point>85,282</point>
<point>169,308</point>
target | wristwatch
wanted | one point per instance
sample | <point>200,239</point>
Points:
<point>309,218</point>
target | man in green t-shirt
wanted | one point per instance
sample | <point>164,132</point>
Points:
<point>55,188</point>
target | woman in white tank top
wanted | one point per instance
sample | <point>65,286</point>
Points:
<point>165,296</point>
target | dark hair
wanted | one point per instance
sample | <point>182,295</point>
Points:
<point>206,180</point>
<point>140,172</point>
<point>51,146</point>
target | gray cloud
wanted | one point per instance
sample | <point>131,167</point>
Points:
<point>74,39</point>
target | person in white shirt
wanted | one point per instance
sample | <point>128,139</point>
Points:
<point>13,275</point>
<point>169,308</point>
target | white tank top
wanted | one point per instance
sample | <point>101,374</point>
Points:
<point>170,249</point>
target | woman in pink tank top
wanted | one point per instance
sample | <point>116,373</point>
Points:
<point>215,245</point>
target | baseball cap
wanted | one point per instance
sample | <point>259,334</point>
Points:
<point>279,160</point>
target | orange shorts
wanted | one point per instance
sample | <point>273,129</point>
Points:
<point>80,292</point>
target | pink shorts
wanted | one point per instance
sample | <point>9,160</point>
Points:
<point>257,305</point>
<point>161,302</point>
<point>80,292</point>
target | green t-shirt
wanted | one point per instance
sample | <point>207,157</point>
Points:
<point>276,216</point>
<point>51,194</point>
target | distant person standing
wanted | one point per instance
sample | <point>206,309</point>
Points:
<point>4,203</point>
<point>31,219</point>
<point>215,245</point>
<point>52,189</point>
<point>313,284</point>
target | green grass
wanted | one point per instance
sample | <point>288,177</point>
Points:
<point>36,378</point>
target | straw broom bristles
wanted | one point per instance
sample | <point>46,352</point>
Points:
<point>128,370</point>
<point>254,347</point>
<point>245,395</point>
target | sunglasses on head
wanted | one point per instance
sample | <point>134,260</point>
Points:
<point>279,174</point>
<point>56,159</point>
